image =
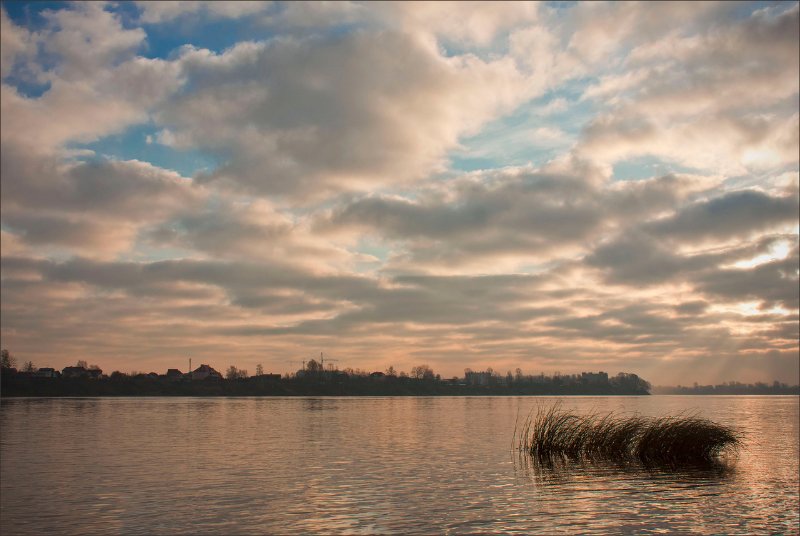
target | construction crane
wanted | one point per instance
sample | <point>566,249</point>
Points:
<point>322,361</point>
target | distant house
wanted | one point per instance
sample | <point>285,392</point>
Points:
<point>594,377</point>
<point>46,372</point>
<point>74,372</point>
<point>174,374</point>
<point>377,375</point>
<point>271,377</point>
<point>204,372</point>
<point>477,378</point>
<point>94,373</point>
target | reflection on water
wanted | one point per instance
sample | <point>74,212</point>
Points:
<point>372,465</point>
<point>560,470</point>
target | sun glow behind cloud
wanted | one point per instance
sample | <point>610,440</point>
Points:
<point>552,187</point>
<point>777,251</point>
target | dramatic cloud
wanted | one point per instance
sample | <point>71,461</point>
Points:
<point>97,85</point>
<point>720,99</point>
<point>318,115</point>
<point>526,215</point>
<point>735,214</point>
<point>555,187</point>
<point>95,207</point>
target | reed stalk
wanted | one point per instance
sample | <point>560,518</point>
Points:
<point>673,440</point>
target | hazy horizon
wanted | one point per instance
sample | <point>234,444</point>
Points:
<point>553,187</point>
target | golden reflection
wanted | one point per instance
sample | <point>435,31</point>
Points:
<point>554,471</point>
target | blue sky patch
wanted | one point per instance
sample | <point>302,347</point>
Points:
<point>132,144</point>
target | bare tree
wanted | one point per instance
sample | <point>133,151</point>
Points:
<point>7,360</point>
<point>422,372</point>
<point>259,370</point>
<point>234,374</point>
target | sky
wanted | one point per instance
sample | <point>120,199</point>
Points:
<point>555,187</point>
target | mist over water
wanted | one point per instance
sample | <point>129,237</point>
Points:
<point>371,465</point>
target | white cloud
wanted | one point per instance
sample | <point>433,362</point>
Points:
<point>16,43</point>
<point>464,23</point>
<point>724,100</point>
<point>161,11</point>
<point>325,114</point>
<point>517,215</point>
<point>97,208</point>
<point>333,216</point>
<point>97,87</point>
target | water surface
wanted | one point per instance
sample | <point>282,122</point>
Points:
<point>370,465</point>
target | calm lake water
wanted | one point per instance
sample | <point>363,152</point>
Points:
<point>370,465</point>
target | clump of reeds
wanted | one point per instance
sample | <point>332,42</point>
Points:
<point>682,439</point>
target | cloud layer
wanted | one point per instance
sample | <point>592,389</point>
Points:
<point>549,187</point>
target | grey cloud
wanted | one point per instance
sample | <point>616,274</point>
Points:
<point>526,217</point>
<point>528,214</point>
<point>236,278</point>
<point>222,231</point>
<point>70,231</point>
<point>639,200</point>
<point>762,49</point>
<point>94,206</point>
<point>734,214</point>
<point>508,316</point>
<point>636,257</point>
<point>371,110</point>
<point>772,283</point>
<point>282,304</point>
<point>692,308</point>
<point>323,114</point>
<point>416,299</point>
<point>640,259</point>
<point>121,189</point>
<point>715,98</point>
<point>636,260</point>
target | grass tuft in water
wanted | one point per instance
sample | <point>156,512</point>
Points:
<point>678,440</point>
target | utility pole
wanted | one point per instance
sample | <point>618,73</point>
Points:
<point>190,368</point>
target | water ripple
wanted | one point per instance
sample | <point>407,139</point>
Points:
<point>370,466</point>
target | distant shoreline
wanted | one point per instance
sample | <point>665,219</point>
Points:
<point>334,384</point>
<point>48,387</point>
<point>775,389</point>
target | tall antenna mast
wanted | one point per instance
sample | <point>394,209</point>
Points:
<point>190,368</point>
